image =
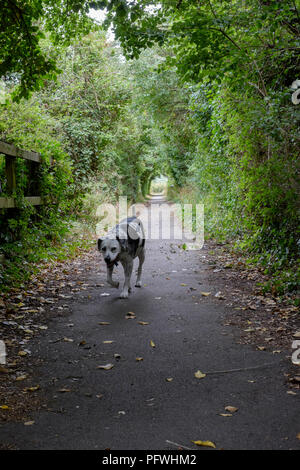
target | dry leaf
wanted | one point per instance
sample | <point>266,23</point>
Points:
<point>225,414</point>
<point>152,344</point>
<point>130,316</point>
<point>22,377</point>
<point>106,367</point>
<point>231,409</point>
<point>205,294</point>
<point>104,323</point>
<point>64,390</point>
<point>139,359</point>
<point>31,389</point>
<point>169,379</point>
<point>107,342</point>
<point>205,443</point>
<point>22,353</point>
<point>29,423</point>
<point>143,323</point>
<point>199,374</point>
<point>4,407</point>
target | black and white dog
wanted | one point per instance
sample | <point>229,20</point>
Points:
<point>123,243</point>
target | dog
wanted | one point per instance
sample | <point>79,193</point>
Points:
<point>123,244</point>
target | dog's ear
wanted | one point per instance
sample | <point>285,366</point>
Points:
<point>100,240</point>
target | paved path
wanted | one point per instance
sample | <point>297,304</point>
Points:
<point>133,405</point>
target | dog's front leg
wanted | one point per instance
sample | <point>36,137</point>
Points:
<point>128,265</point>
<point>141,261</point>
<point>109,277</point>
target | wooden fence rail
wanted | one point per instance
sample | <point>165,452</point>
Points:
<point>11,154</point>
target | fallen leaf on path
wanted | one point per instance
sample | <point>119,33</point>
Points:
<point>205,294</point>
<point>231,409</point>
<point>152,344</point>
<point>143,323</point>
<point>29,423</point>
<point>21,377</point>
<point>219,295</point>
<point>139,359</point>
<point>106,367</point>
<point>4,407</point>
<point>199,374</point>
<point>22,353</point>
<point>182,284</point>
<point>169,379</point>
<point>64,390</point>
<point>108,342</point>
<point>104,323</point>
<point>31,389</point>
<point>130,316</point>
<point>225,414</point>
<point>205,443</point>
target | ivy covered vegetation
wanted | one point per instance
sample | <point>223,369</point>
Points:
<point>199,91</point>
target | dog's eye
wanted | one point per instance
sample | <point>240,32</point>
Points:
<point>113,249</point>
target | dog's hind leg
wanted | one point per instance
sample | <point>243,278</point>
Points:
<point>109,277</point>
<point>128,265</point>
<point>141,261</point>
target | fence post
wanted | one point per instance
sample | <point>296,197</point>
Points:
<point>10,168</point>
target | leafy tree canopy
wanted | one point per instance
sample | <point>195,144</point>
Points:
<point>209,38</point>
<point>23,25</point>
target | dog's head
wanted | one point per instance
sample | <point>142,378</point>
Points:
<point>110,249</point>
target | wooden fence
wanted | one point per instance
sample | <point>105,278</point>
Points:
<point>11,154</point>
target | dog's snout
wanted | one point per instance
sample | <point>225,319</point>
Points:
<point>107,259</point>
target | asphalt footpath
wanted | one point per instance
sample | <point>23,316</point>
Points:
<point>156,371</point>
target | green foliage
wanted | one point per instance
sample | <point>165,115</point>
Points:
<point>211,109</point>
<point>23,25</point>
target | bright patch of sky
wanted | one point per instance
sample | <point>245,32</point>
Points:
<point>99,16</point>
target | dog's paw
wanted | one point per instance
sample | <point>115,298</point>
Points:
<point>124,295</point>
<point>138,284</point>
